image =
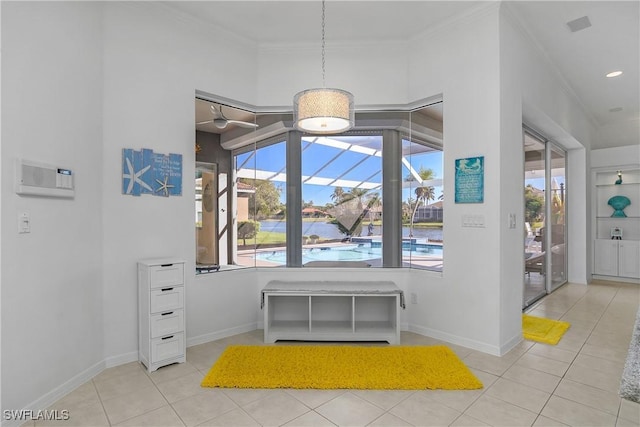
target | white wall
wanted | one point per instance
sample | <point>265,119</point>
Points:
<point>376,73</point>
<point>549,107</point>
<point>616,157</point>
<point>153,65</point>
<point>82,81</point>
<point>484,107</point>
<point>223,304</point>
<point>133,86</point>
<point>579,216</point>
<point>52,277</point>
<point>511,189</point>
<point>464,304</point>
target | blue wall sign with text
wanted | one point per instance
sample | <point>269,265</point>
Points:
<point>469,182</point>
<point>146,172</point>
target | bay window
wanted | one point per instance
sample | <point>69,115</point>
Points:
<point>297,200</point>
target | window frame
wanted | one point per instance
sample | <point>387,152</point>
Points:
<point>394,130</point>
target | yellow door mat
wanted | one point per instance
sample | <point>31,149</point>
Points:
<point>341,367</point>
<point>543,330</point>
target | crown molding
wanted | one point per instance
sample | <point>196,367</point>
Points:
<point>467,16</point>
<point>167,9</point>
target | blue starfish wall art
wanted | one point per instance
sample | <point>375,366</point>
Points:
<point>146,172</point>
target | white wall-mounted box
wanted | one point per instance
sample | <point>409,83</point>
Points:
<point>41,179</point>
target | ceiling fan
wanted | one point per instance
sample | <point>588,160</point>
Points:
<point>221,122</point>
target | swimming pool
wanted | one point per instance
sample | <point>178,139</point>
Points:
<point>355,252</point>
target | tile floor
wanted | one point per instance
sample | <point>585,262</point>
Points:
<point>574,383</point>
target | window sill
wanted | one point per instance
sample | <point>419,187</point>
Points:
<point>222,269</point>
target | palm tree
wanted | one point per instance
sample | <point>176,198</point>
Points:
<point>337,195</point>
<point>423,193</point>
<point>407,208</point>
<point>356,193</point>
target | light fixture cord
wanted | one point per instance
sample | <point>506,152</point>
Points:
<point>323,83</point>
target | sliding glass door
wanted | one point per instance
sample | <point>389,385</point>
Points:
<point>535,182</point>
<point>545,194</point>
<point>557,217</point>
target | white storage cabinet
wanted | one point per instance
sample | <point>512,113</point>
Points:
<point>617,258</point>
<point>161,313</point>
<point>332,311</point>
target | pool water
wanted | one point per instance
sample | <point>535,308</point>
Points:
<point>356,252</point>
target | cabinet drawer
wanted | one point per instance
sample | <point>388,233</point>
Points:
<point>167,323</point>
<point>167,347</point>
<point>165,275</point>
<point>167,299</point>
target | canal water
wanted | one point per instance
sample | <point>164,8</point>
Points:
<point>330,231</point>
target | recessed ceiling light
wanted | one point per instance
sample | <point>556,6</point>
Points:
<point>614,74</point>
<point>615,110</point>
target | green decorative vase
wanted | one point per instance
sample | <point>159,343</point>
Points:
<point>618,203</point>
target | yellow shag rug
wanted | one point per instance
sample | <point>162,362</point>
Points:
<point>341,367</point>
<point>543,330</point>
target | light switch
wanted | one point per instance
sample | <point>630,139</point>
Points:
<point>24,223</point>
<point>512,220</point>
<point>475,221</point>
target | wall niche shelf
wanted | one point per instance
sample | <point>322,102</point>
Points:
<point>624,184</point>
<point>617,258</point>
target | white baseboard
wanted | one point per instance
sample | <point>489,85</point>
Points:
<point>68,386</point>
<point>510,344</point>
<point>121,359</point>
<point>454,339</point>
<point>59,392</point>
<point>616,279</point>
<point>201,339</point>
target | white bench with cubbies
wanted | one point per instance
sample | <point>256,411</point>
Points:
<point>332,311</point>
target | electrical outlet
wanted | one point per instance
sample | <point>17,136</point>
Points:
<point>414,298</point>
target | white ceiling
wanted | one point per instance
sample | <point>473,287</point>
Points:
<point>582,58</point>
<point>585,57</point>
<point>273,21</point>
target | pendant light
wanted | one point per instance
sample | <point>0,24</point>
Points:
<point>323,110</point>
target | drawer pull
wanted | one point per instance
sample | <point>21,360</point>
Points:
<point>166,289</point>
<point>167,313</point>
<point>166,265</point>
<point>166,338</point>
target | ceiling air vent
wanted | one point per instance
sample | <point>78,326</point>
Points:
<point>579,24</point>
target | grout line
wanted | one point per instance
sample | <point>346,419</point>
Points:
<point>592,289</point>
<point>101,402</point>
<point>578,353</point>
<point>552,393</point>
